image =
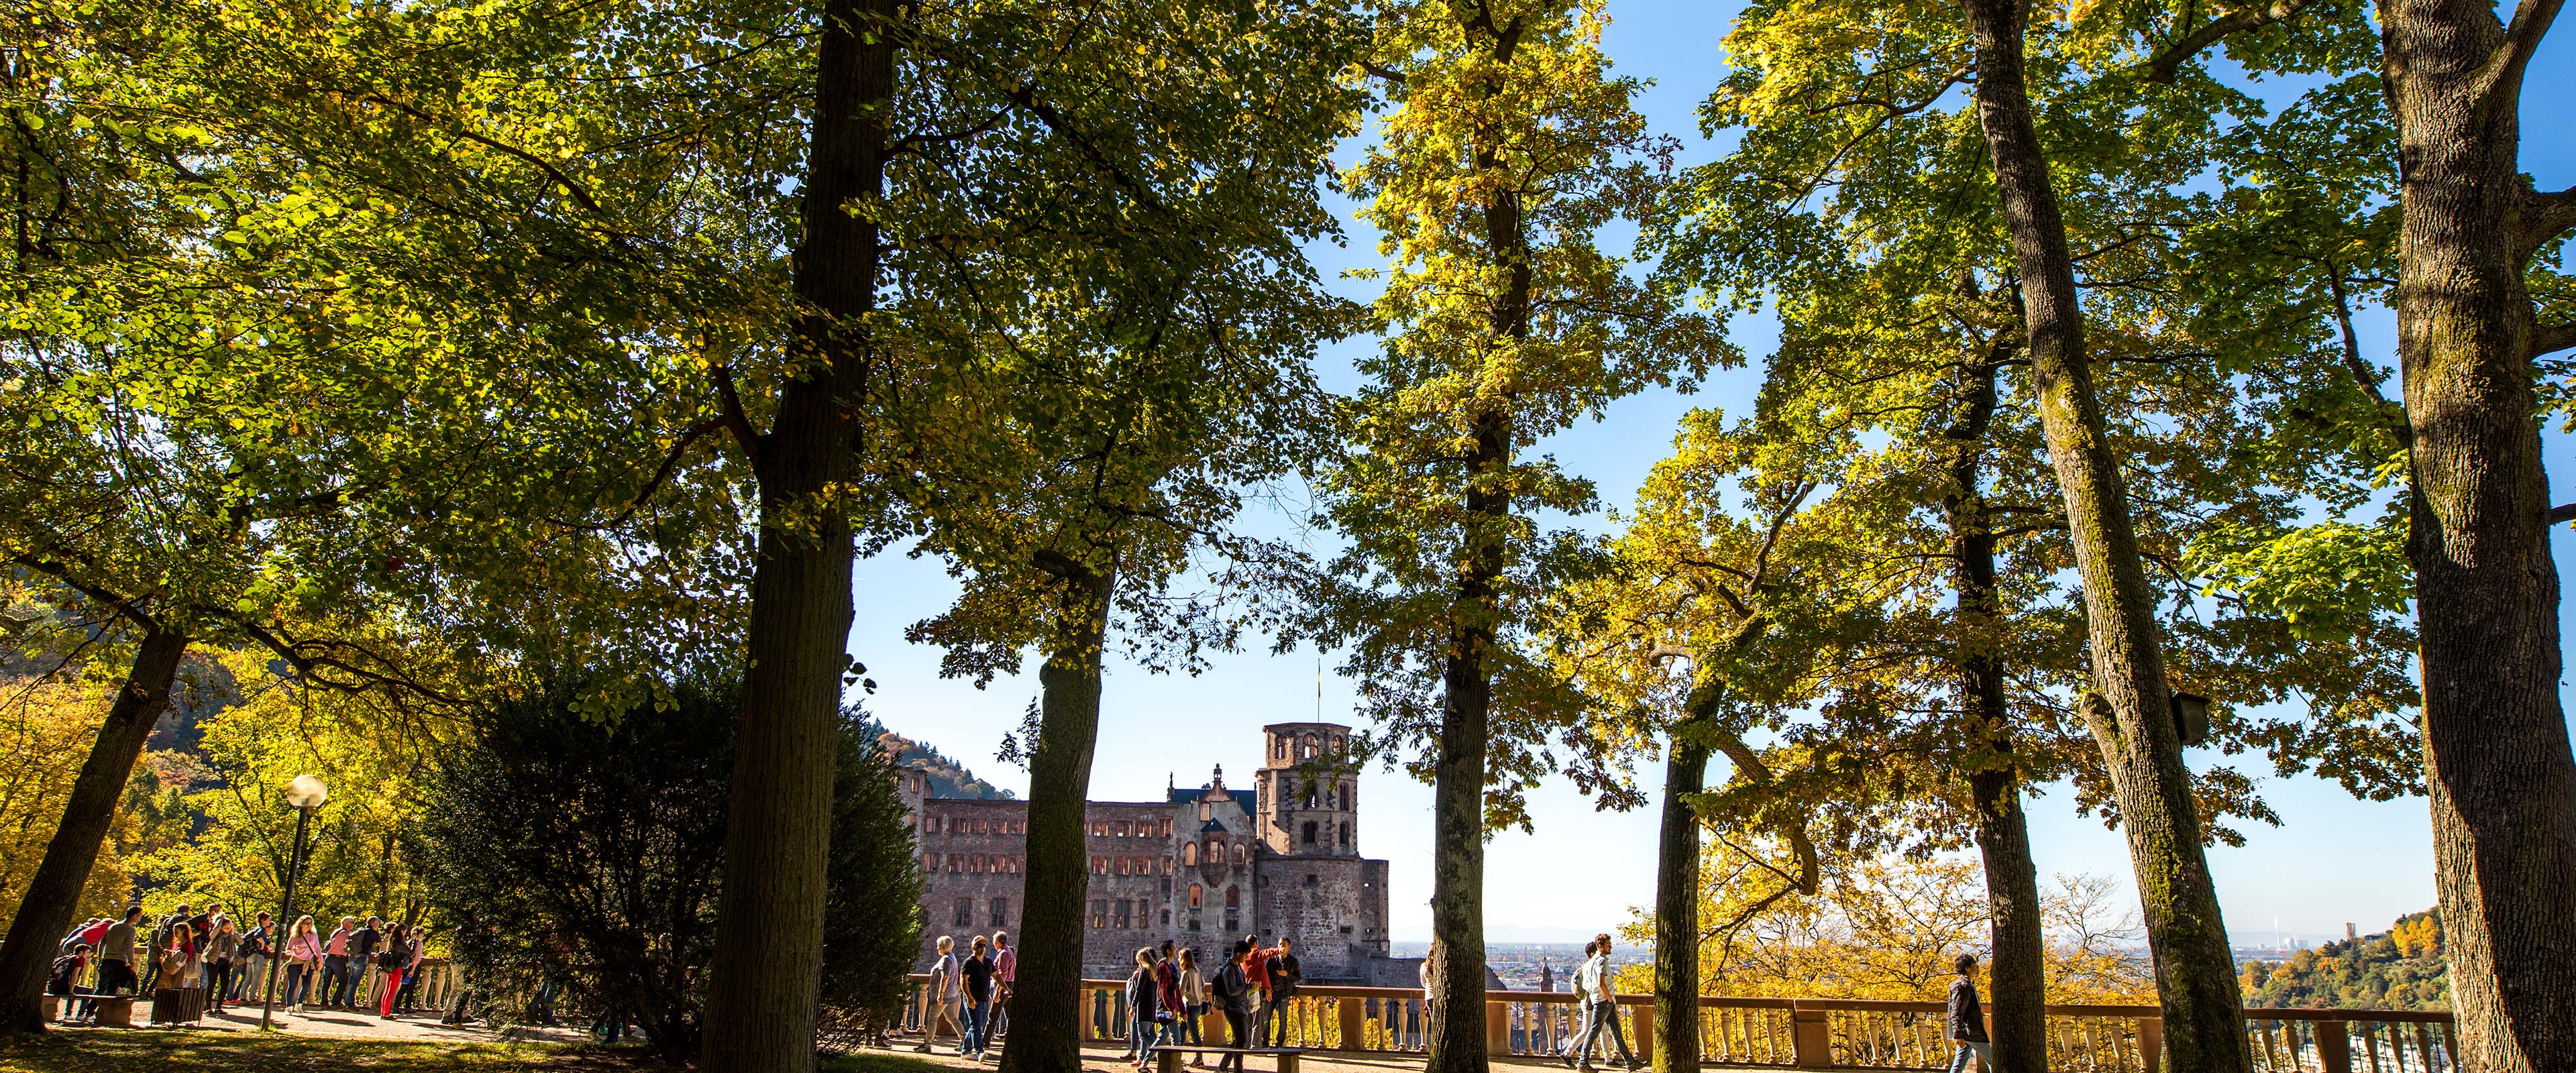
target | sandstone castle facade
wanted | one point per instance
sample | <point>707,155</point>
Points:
<point>1203,866</point>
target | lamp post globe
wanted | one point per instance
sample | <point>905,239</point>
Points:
<point>307,792</point>
<point>304,795</point>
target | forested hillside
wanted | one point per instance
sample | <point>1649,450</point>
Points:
<point>948,778</point>
<point>2403,969</point>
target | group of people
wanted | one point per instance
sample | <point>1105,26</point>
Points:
<point>971,995</point>
<point>194,961</point>
<point>1168,997</point>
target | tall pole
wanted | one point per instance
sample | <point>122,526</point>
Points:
<point>285,918</point>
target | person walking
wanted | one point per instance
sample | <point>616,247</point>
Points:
<point>1285,975</point>
<point>1006,975</point>
<point>1194,1003</point>
<point>978,971</point>
<point>1232,992</point>
<point>221,950</point>
<point>947,988</point>
<point>1144,1001</point>
<point>303,961</point>
<point>1967,1019</point>
<point>1167,993</point>
<point>1599,1008</point>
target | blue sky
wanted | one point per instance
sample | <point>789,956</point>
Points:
<point>2333,859</point>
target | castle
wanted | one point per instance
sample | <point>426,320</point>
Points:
<point>1202,867</point>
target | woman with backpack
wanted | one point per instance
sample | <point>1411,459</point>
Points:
<point>220,950</point>
<point>393,958</point>
<point>1233,996</point>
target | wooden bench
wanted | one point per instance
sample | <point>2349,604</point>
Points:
<point>1167,1056</point>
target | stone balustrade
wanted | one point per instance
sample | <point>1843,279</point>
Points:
<point>1821,1033</point>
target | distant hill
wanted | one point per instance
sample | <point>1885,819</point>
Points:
<point>948,778</point>
<point>2400,969</point>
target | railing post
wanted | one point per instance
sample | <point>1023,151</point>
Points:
<point>1498,1028</point>
<point>2151,1042</point>
<point>2334,1045</point>
<point>1645,1024</point>
<point>1808,1043</point>
<point>1354,1023</point>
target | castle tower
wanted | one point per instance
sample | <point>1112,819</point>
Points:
<point>1307,791</point>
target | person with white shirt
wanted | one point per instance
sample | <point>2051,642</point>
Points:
<point>1592,982</point>
<point>947,994</point>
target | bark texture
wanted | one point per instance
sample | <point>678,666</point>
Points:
<point>2497,763</point>
<point>1046,1000</point>
<point>1457,1043</point>
<point>2129,706</point>
<point>1677,897</point>
<point>46,911</point>
<point>763,983</point>
<point>2018,988</point>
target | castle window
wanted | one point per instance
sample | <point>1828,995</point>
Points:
<point>1346,836</point>
<point>1100,912</point>
<point>1122,913</point>
<point>983,826</point>
<point>1100,866</point>
<point>1099,828</point>
<point>1310,795</point>
<point>929,862</point>
<point>1122,829</point>
<point>1306,748</point>
<point>1205,810</point>
<point>1001,912</point>
<point>965,912</point>
<point>1233,899</point>
<point>956,863</point>
<point>1313,880</point>
<point>975,862</point>
<point>1242,854</point>
<point>1189,854</point>
<point>1167,827</point>
<point>1197,894</point>
<point>1167,866</point>
<point>1122,866</point>
<point>1233,921</point>
<point>1279,747</point>
<point>1167,918</point>
<point>1310,835</point>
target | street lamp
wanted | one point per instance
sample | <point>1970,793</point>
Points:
<point>303,795</point>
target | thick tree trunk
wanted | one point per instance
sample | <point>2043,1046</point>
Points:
<point>2502,782</point>
<point>46,911</point>
<point>1677,900</point>
<point>1046,1032</point>
<point>1457,1043</point>
<point>2129,707</point>
<point>762,987</point>
<point>2018,988</point>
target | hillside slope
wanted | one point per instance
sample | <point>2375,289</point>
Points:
<point>2401,969</point>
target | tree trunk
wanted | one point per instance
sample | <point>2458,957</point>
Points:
<point>2502,782</point>
<point>763,984</point>
<point>1677,900</point>
<point>1046,1030</point>
<point>2129,706</point>
<point>52,895</point>
<point>1457,1043</point>
<point>2018,982</point>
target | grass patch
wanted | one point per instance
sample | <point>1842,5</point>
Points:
<point>875,1061</point>
<point>117,1051</point>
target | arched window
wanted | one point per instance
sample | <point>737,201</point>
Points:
<point>1197,895</point>
<point>1279,747</point>
<point>1311,791</point>
<point>1190,855</point>
<point>1234,897</point>
<point>1205,810</point>
<point>1306,748</point>
<point>1242,854</point>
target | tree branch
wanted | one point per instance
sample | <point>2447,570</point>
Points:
<point>735,420</point>
<point>2167,65</point>
<point>2552,338</point>
<point>2548,216</point>
<point>130,609</point>
<point>2531,19</point>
